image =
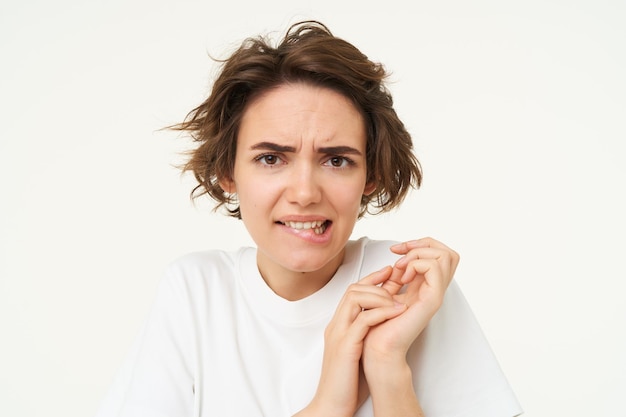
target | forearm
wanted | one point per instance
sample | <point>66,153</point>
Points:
<point>316,407</point>
<point>391,388</point>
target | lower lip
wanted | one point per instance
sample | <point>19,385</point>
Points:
<point>309,235</point>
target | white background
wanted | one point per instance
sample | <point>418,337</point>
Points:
<point>518,112</point>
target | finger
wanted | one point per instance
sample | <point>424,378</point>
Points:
<point>431,273</point>
<point>403,247</point>
<point>377,277</point>
<point>373,317</point>
<point>399,277</point>
<point>394,284</point>
<point>447,258</point>
<point>361,297</point>
<point>426,242</point>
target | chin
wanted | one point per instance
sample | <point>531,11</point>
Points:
<point>309,262</point>
<point>305,267</point>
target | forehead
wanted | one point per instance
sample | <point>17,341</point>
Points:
<point>302,112</point>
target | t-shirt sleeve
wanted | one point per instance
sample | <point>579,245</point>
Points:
<point>455,373</point>
<point>156,379</point>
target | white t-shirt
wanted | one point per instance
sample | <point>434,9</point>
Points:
<point>220,342</point>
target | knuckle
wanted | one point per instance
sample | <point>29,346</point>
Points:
<point>351,294</point>
<point>456,256</point>
<point>366,318</point>
<point>351,290</point>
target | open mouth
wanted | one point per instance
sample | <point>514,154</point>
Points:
<point>318,226</point>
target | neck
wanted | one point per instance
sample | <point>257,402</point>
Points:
<point>296,285</point>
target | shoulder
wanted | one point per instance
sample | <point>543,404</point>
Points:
<point>378,247</point>
<point>374,254</point>
<point>203,261</point>
<point>202,269</point>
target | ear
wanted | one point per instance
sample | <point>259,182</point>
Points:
<point>228,185</point>
<point>370,187</point>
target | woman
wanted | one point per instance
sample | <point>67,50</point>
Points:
<point>299,141</point>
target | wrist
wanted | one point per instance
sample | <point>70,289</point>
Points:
<point>391,387</point>
<point>313,410</point>
<point>384,362</point>
<point>389,372</point>
<point>322,408</point>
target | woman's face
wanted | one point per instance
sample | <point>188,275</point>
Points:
<point>299,174</point>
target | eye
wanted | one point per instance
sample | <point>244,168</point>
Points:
<point>339,162</point>
<point>268,159</point>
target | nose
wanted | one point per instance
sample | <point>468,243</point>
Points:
<point>304,186</point>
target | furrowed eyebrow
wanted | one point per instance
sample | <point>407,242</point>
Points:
<point>340,150</point>
<point>328,150</point>
<point>269,146</point>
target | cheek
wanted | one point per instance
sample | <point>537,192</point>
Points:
<point>346,196</point>
<point>255,192</point>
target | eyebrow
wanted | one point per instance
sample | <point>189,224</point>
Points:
<point>270,146</point>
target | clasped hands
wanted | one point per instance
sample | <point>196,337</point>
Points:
<point>377,321</point>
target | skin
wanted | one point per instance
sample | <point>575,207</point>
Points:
<point>301,159</point>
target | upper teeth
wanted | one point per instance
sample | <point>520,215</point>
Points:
<point>305,225</point>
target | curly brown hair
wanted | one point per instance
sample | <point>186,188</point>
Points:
<point>308,53</point>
